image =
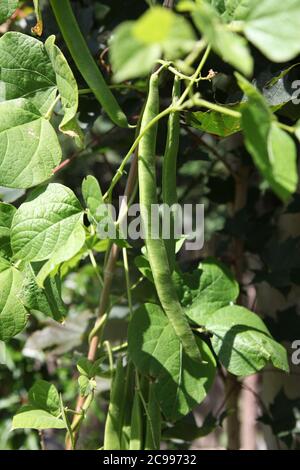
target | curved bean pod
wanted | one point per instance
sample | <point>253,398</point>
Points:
<point>153,429</point>
<point>156,249</point>
<point>84,61</point>
<point>114,420</point>
<point>136,427</point>
<point>169,193</point>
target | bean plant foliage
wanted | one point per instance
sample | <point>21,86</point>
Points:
<point>68,93</point>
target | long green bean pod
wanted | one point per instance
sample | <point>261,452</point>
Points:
<point>136,427</point>
<point>128,391</point>
<point>84,61</point>
<point>156,249</point>
<point>114,420</point>
<point>153,429</point>
<point>169,192</point>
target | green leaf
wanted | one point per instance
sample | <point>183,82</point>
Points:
<point>84,366</point>
<point>243,343</point>
<point>187,430</point>
<point>45,225</point>
<point>136,45</point>
<point>92,196</point>
<point>73,245</point>
<point>231,47</point>
<point>29,148</point>
<point>7,212</point>
<point>44,395</point>
<point>26,71</point>
<point>7,8</point>
<point>206,290</point>
<point>83,383</point>
<point>67,88</point>
<point>86,385</point>
<point>216,123</point>
<point>29,417</point>
<point>283,159</point>
<point>12,313</point>
<point>88,368</point>
<point>38,72</point>
<point>273,27</point>
<point>47,300</point>
<point>144,267</point>
<point>272,149</point>
<point>155,349</point>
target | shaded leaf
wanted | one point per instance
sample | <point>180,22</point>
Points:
<point>206,290</point>
<point>47,300</point>
<point>214,123</point>
<point>243,343</point>
<point>156,350</point>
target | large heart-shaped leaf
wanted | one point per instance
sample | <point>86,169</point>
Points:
<point>37,72</point>
<point>29,148</point>
<point>243,343</point>
<point>44,226</point>
<point>31,76</point>
<point>156,350</point>
<point>12,313</point>
<point>26,71</point>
